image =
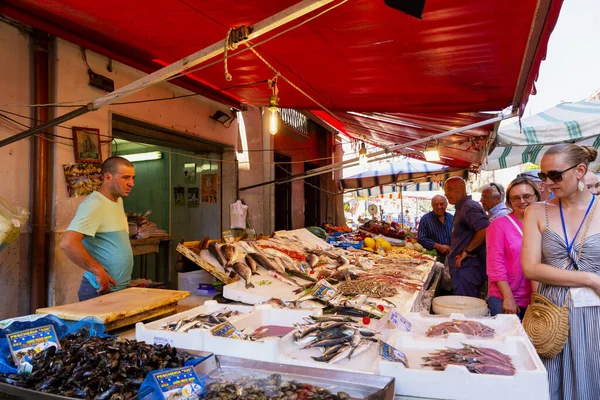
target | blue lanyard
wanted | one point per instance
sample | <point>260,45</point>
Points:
<point>564,226</point>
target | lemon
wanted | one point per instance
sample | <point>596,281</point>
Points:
<point>386,245</point>
<point>370,243</point>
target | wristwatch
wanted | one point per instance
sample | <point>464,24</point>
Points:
<point>465,250</point>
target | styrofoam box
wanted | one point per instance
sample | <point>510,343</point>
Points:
<point>266,350</point>
<point>456,382</point>
<point>202,339</point>
<point>503,324</point>
<point>366,362</point>
<point>153,334</point>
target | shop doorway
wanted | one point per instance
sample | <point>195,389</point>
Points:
<point>181,188</point>
<point>283,193</point>
<point>312,197</point>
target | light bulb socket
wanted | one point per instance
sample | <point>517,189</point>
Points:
<point>274,103</point>
<point>362,152</point>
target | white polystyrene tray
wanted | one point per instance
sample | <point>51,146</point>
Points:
<point>265,350</point>
<point>152,333</point>
<point>504,324</point>
<point>202,339</point>
<point>456,382</point>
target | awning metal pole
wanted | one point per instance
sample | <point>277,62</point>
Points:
<point>260,28</point>
<point>355,161</point>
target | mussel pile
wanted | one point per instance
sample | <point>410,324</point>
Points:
<point>96,368</point>
<point>271,388</point>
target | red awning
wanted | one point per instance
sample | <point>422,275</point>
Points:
<point>462,58</point>
<point>363,56</point>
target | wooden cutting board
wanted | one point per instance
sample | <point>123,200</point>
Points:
<point>121,308</point>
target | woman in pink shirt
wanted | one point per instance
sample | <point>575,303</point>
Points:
<point>509,291</point>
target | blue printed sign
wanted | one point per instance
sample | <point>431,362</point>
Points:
<point>181,383</point>
<point>25,344</point>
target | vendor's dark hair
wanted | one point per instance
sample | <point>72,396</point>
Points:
<point>521,180</point>
<point>575,154</point>
<point>111,165</point>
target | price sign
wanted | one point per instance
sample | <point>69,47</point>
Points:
<point>228,237</point>
<point>25,344</point>
<point>180,383</point>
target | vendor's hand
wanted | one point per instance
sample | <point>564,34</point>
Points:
<point>509,306</point>
<point>442,248</point>
<point>104,280</point>
<point>458,259</point>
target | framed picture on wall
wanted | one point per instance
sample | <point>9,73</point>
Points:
<point>86,144</point>
<point>193,197</point>
<point>179,196</point>
<point>189,172</point>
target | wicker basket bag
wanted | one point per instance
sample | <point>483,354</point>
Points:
<point>547,325</point>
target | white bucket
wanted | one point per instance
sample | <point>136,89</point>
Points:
<point>469,306</point>
<point>189,281</point>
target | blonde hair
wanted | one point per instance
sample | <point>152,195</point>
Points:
<point>574,153</point>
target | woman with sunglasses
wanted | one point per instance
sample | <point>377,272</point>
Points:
<point>509,291</point>
<point>561,251</point>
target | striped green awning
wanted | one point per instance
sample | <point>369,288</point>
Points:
<point>527,140</point>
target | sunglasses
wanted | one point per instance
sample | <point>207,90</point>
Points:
<point>527,197</point>
<point>555,176</point>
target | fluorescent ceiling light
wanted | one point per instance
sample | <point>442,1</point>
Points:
<point>153,155</point>
<point>432,155</point>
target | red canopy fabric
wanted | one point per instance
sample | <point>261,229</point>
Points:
<point>465,56</point>
<point>462,58</point>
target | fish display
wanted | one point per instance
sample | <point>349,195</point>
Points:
<point>200,321</point>
<point>266,264</point>
<point>244,272</point>
<point>478,360</point>
<point>96,368</point>
<point>339,337</point>
<point>312,260</point>
<point>270,388</point>
<point>471,328</point>
<point>215,250</point>
<point>370,288</point>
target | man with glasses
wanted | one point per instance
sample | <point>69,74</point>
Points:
<point>591,182</point>
<point>492,200</point>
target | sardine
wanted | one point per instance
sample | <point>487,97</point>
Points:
<point>265,263</point>
<point>343,353</point>
<point>360,348</point>
<point>252,264</point>
<point>230,252</point>
<point>243,271</point>
<point>214,249</point>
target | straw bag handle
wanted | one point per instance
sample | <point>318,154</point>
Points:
<point>587,227</point>
<point>538,298</point>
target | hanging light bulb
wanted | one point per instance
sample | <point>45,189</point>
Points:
<point>273,106</point>
<point>362,154</point>
<point>432,154</point>
<point>273,117</point>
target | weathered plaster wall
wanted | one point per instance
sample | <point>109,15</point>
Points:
<point>15,171</point>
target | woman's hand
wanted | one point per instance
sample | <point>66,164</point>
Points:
<point>594,282</point>
<point>509,306</point>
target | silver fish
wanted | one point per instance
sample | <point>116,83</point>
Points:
<point>214,249</point>
<point>343,353</point>
<point>360,348</point>
<point>230,252</point>
<point>243,271</point>
<point>252,264</point>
